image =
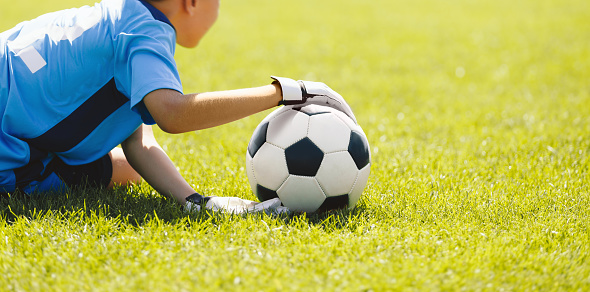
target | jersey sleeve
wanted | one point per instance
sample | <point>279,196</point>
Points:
<point>151,72</point>
<point>146,63</point>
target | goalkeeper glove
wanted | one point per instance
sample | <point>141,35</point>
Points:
<point>310,92</point>
<point>196,202</point>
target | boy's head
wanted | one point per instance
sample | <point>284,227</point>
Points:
<point>191,18</point>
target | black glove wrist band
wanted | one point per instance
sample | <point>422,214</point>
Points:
<point>198,199</point>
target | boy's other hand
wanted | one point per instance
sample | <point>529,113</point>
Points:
<point>310,92</point>
<point>233,205</point>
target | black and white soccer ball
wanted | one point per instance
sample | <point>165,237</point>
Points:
<point>314,158</point>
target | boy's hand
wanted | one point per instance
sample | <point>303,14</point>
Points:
<point>233,205</point>
<point>309,92</point>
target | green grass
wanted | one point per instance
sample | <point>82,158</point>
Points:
<point>478,116</point>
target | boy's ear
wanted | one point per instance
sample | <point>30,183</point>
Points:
<point>190,6</point>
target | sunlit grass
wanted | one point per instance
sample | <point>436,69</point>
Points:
<point>478,116</point>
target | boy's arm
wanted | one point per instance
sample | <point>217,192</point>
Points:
<point>149,160</point>
<point>178,113</point>
<point>147,157</point>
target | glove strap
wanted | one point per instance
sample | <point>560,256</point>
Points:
<point>304,90</point>
<point>198,199</point>
<point>293,93</point>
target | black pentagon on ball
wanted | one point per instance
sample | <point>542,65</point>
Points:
<point>258,139</point>
<point>265,194</point>
<point>334,203</point>
<point>304,158</point>
<point>358,147</point>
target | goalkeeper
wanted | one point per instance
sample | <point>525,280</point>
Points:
<point>74,84</point>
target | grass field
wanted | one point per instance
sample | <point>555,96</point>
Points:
<point>478,116</point>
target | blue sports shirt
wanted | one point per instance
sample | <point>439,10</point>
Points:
<point>72,83</point>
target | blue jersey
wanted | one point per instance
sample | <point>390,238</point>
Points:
<point>72,83</point>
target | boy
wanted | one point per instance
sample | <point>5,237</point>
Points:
<point>76,83</point>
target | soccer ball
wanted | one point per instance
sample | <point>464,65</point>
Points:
<point>314,158</point>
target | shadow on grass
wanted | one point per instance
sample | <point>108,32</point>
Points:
<point>137,207</point>
<point>131,206</point>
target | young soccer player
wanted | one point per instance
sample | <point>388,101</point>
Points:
<point>76,83</point>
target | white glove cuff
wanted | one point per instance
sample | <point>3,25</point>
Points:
<point>291,89</point>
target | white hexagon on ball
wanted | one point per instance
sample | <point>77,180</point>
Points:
<point>270,168</point>
<point>275,113</point>
<point>329,132</point>
<point>359,185</point>
<point>287,128</point>
<point>337,174</point>
<point>301,194</point>
<point>347,120</point>
<point>250,171</point>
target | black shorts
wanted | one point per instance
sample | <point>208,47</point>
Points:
<point>97,173</point>
<point>58,176</point>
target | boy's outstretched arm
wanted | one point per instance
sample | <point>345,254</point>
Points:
<point>178,113</point>
<point>146,156</point>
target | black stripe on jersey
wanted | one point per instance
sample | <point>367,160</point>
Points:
<point>79,124</point>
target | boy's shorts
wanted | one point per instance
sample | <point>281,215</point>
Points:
<point>59,177</point>
<point>97,173</point>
